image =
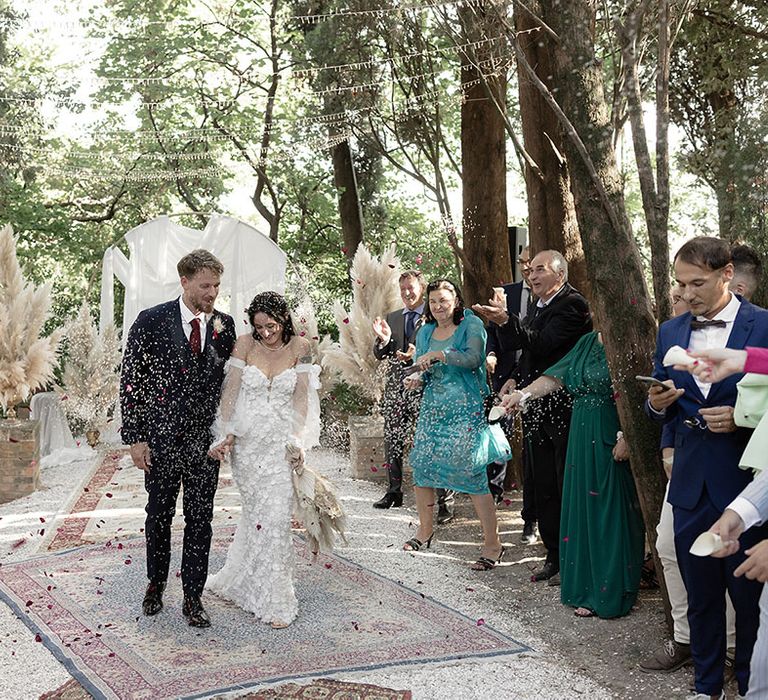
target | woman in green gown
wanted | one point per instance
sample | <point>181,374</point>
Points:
<point>601,528</point>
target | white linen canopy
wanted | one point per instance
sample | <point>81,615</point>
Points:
<point>252,263</point>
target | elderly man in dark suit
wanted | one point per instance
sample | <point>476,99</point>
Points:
<point>501,364</point>
<point>395,343</point>
<point>706,476</point>
<point>559,318</point>
<point>173,368</point>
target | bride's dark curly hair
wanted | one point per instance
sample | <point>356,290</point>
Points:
<point>275,306</point>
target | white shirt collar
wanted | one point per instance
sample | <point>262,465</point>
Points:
<point>728,312</point>
<point>187,315</point>
<point>419,309</point>
<point>541,304</point>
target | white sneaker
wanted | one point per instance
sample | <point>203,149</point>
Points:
<point>706,696</point>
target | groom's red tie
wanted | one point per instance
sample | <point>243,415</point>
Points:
<point>194,336</point>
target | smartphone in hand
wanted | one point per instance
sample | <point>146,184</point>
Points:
<point>652,381</point>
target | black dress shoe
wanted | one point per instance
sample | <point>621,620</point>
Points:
<point>390,500</point>
<point>194,612</point>
<point>153,598</point>
<point>546,572</point>
<point>444,514</point>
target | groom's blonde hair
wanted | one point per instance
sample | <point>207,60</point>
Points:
<point>197,260</point>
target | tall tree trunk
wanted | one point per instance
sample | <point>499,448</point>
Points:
<point>350,212</point>
<point>551,216</point>
<point>622,308</point>
<point>654,191</point>
<point>483,165</point>
<point>725,191</point>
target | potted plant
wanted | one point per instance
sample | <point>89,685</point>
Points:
<point>351,360</point>
<point>27,363</point>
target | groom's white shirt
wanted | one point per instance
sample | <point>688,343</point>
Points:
<point>186,322</point>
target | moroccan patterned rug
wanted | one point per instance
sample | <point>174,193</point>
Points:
<point>109,504</point>
<point>327,689</point>
<point>320,689</point>
<point>84,605</point>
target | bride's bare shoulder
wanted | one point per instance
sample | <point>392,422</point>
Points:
<point>243,345</point>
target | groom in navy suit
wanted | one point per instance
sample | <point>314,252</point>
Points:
<point>706,476</point>
<point>173,368</point>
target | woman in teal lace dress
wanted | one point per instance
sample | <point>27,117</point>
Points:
<point>601,528</point>
<point>453,442</point>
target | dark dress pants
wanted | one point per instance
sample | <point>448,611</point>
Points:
<point>184,463</point>
<point>528,512</point>
<point>400,410</point>
<point>706,580</point>
<point>545,450</point>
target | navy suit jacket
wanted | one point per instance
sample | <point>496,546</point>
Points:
<point>165,390</point>
<point>396,321</point>
<point>703,459</point>
<point>506,360</point>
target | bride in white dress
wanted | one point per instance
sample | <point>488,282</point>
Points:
<point>269,401</point>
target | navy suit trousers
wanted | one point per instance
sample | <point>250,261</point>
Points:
<point>182,463</point>
<point>706,580</point>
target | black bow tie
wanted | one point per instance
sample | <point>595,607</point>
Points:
<point>695,325</point>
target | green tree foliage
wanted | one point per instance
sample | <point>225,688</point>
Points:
<point>719,97</point>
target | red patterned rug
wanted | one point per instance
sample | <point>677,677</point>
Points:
<point>321,689</point>
<point>84,604</point>
<point>69,532</point>
<point>109,504</point>
<point>327,689</point>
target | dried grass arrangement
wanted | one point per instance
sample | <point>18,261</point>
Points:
<point>27,360</point>
<point>91,381</point>
<point>375,292</point>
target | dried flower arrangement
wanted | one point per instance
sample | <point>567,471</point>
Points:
<point>91,381</point>
<point>27,360</point>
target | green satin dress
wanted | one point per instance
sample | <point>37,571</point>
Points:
<point>601,527</point>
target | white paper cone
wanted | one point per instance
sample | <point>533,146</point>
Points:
<point>706,543</point>
<point>677,356</point>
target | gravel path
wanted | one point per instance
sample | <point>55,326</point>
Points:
<point>560,665</point>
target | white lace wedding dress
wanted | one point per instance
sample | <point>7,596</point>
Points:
<point>265,415</point>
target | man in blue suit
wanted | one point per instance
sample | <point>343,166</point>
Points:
<point>173,368</point>
<point>708,444</point>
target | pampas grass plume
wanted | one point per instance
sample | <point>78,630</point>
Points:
<point>375,293</point>
<point>27,361</point>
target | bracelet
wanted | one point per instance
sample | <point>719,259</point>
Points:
<point>619,436</point>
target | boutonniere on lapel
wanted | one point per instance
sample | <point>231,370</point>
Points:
<point>218,327</point>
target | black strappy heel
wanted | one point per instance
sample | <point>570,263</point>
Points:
<point>486,564</point>
<point>414,545</point>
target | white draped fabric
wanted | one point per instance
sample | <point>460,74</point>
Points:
<point>252,264</point>
<point>57,446</point>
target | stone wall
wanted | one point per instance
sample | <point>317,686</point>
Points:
<point>366,450</point>
<point>19,458</point>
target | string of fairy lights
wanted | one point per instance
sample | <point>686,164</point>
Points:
<point>202,144</point>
